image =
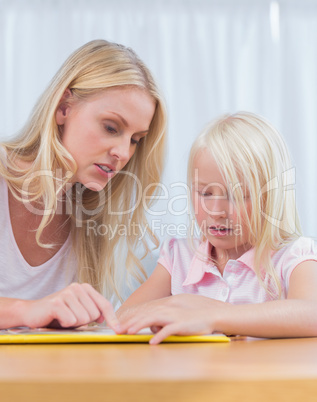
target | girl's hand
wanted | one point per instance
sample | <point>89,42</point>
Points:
<point>74,306</point>
<point>183,314</point>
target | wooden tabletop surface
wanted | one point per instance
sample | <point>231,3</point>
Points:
<point>245,369</point>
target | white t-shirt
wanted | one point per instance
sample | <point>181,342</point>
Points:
<point>20,280</point>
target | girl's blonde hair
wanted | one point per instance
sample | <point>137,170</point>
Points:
<point>249,151</point>
<point>92,68</point>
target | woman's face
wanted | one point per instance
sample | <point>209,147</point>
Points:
<point>102,132</point>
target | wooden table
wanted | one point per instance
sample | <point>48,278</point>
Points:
<point>243,370</point>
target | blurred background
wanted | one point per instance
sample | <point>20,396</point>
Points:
<point>208,56</point>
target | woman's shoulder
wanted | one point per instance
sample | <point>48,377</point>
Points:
<point>3,161</point>
<point>3,182</point>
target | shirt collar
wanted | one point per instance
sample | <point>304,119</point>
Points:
<point>199,265</point>
<point>248,258</point>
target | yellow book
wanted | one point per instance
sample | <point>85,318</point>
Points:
<point>93,334</point>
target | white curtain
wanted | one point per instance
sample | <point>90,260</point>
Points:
<point>209,57</point>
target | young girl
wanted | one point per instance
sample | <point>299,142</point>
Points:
<point>70,181</point>
<point>251,273</point>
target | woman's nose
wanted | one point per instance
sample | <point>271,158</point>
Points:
<point>121,149</point>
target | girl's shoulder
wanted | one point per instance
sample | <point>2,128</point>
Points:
<point>181,244</point>
<point>174,249</point>
<point>303,245</point>
<point>301,248</point>
<point>291,256</point>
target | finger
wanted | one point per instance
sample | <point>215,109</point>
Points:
<point>64,315</point>
<point>141,317</point>
<point>155,328</point>
<point>130,323</point>
<point>166,331</point>
<point>132,317</point>
<point>78,300</point>
<point>105,308</point>
<point>100,320</point>
<point>90,306</point>
<point>87,303</point>
<point>179,328</point>
<point>79,311</point>
<point>129,318</point>
<point>145,322</point>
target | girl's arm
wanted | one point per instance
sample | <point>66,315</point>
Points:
<point>191,314</point>
<point>74,306</point>
<point>294,317</point>
<point>157,286</point>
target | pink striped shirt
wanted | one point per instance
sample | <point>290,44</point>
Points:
<point>239,283</point>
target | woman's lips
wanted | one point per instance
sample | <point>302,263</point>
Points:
<point>105,170</point>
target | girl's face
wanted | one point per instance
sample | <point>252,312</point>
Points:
<point>102,132</point>
<point>215,210</point>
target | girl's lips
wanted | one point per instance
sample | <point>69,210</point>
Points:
<point>219,232</point>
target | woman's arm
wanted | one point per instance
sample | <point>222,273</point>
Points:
<point>76,305</point>
<point>191,314</point>
<point>157,286</point>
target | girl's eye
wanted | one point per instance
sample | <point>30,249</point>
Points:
<point>203,194</point>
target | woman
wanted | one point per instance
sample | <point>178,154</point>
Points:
<point>71,182</point>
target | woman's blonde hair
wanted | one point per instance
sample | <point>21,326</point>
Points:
<point>250,152</point>
<point>94,67</point>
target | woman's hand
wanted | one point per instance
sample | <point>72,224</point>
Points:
<point>74,306</point>
<point>183,314</point>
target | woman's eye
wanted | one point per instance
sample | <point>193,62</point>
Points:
<point>134,142</point>
<point>110,129</point>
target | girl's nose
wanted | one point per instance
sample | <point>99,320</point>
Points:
<point>218,208</point>
<point>219,214</point>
